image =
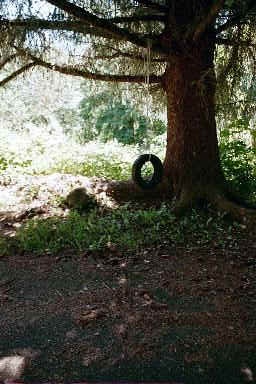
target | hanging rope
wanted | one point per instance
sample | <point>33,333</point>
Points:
<point>156,178</point>
<point>147,77</point>
<point>147,70</point>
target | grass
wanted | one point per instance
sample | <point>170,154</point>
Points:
<point>97,166</point>
<point>122,228</point>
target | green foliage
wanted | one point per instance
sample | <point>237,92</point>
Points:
<point>98,165</point>
<point>125,228</point>
<point>239,159</point>
<point>3,163</point>
<point>9,159</point>
<point>147,171</point>
<point>107,118</point>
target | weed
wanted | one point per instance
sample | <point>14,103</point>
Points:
<point>126,228</point>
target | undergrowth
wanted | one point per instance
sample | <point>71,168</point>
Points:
<point>124,228</point>
<point>41,151</point>
<point>47,150</point>
<point>238,159</point>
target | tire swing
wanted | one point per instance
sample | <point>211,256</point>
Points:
<point>152,181</point>
<point>148,182</point>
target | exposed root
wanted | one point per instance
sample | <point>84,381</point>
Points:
<point>236,211</point>
<point>218,200</point>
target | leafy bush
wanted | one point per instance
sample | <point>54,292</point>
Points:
<point>239,160</point>
<point>107,118</point>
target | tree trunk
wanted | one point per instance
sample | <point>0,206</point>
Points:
<point>192,158</point>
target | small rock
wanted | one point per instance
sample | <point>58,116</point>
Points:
<point>247,374</point>
<point>12,368</point>
<point>90,316</point>
<point>79,198</point>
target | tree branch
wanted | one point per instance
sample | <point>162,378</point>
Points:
<point>34,24</point>
<point>72,70</point>
<point>153,5</point>
<point>16,73</point>
<point>69,70</point>
<point>136,18</point>
<point>106,26</point>
<point>118,53</point>
<point>64,25</point>
<point>208,19</point>
<point>7,60</point>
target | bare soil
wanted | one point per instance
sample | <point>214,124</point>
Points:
<point>164,313</point>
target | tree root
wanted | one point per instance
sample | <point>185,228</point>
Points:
<point>218,200</point>
<point>235,211</point>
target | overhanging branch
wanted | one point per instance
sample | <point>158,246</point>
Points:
<point>74,71</point>
<point>136,18</point>
<point>69,70</point>
<point>153,5</point>
<point>7,60</point>
<point>118,53</point>
<point>35,24</point>
<point>105,25</point>
<point>17,73</point>
<point>64,25</point>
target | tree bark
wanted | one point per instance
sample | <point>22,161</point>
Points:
<point>192,160</point>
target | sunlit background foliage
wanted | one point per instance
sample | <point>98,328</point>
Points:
<point>54,123</point>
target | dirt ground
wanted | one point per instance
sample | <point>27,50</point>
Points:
<point>165,313</point>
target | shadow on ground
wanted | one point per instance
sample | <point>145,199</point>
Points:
<point>164,314</point>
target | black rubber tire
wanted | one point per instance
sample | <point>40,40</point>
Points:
<point>157,175</point>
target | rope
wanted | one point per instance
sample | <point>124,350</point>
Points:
<point>147,65</point>
<point>147,77</point>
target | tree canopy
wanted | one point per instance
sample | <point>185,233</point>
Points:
<point>108,40</point>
